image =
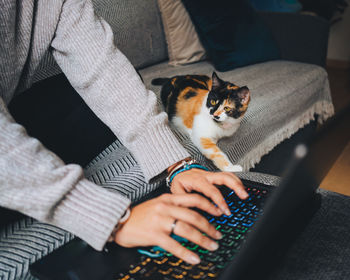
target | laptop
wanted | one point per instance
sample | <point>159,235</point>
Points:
<point>256,236</point>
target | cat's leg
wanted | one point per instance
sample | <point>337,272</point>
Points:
<point>211,151</point>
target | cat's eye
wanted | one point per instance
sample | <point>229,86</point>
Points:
<point>213,102</point>
<point>227,109</point>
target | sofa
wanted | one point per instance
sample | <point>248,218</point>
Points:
<point>288,97</point>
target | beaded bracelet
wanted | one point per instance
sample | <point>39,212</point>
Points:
<point>184,166</point>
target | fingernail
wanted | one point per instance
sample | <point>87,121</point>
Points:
<point>227,212</point>
<point>245,196</point>
<point>218,235</point>
<point>193,259</point>
<point>213,246</point>
<point>219,211</point>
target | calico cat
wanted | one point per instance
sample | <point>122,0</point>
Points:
<point>207,109</point>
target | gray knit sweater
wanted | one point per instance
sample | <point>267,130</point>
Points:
<point>35,181</point>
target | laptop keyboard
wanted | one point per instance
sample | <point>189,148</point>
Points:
<point>158,264</point>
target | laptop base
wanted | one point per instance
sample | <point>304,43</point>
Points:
<point>275,251</point>
<point>76,260</point>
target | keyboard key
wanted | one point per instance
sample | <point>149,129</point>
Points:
<point>161,260</point>
<point>241,229</point>
<point>221,221</point>
<point>245,211</point>
<point>221,265</point>
<point>226,229</point>
<point>241,204</point>
<point>234,209</point>
<point>228,243</point>
<point>186,266</point>
<point>231,193</point>
<point>197,275</point>
<point>204,265</point>
<point>248,224</point>
<point>178,273</point>
<point>166,271</point>
<point>134,270</point>
<point>228,217</point>
<point>238,217</point>
<point>232,224</point>
<point>175,261</point>
<point>203,251</point>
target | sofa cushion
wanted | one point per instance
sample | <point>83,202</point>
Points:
<point>232,33</point>
<point>183,43</point>
<point>138,33</point>
<point>137,28</point>
<point>285,96</point>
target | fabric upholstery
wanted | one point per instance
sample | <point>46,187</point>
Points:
<point>138,32</point>
<point>284,97</point>
<point>137,29</point>
<point>182,40</point>
<point>25,241</point>
<point>232,33</point>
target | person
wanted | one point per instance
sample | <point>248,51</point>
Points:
<point>36,182</point>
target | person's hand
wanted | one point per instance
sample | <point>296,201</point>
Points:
<point>151,224</point>
<point>203,181</point>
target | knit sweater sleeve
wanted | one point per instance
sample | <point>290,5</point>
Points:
<point>84,49</point>
<point>37,183</point>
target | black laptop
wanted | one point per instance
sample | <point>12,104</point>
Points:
<point>256,235</point>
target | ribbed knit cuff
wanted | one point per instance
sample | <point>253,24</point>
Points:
<point>155,159</point>
<point>90,212</point>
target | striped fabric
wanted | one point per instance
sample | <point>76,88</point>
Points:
<point>24,242</point>
<point>116,169</point>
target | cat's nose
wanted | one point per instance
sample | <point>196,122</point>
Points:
<point>216,117</point>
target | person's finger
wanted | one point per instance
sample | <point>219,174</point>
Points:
<point>171,245</point>
<point>195,219</point>
<point>230,180</point>
<point>195,200</point>
<point>214,194</point>
<point>177,188</point>
<point>192,234</point>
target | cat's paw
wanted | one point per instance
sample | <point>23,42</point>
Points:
<point>234,168</point>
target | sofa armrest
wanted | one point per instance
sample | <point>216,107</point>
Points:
<point>300,37</point>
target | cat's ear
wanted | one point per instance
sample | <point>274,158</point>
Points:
<point>244,95</point>
<point>216,81</point>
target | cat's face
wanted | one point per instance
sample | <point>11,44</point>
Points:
<point>226,101</point>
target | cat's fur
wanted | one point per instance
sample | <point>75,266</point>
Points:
<point>207,109</point>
